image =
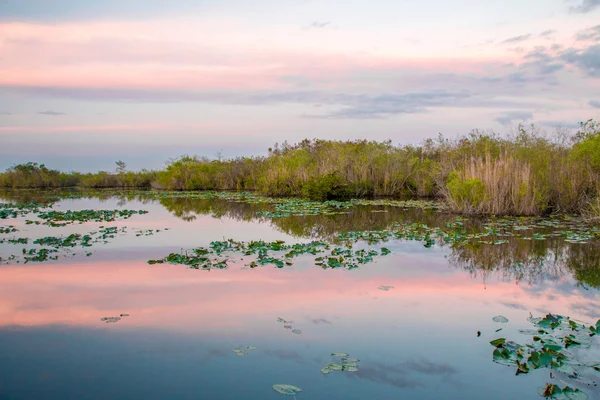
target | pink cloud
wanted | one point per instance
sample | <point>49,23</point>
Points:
<point>168,55</point>
<point>106,128</point>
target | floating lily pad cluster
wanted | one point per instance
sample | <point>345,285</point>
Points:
<point>63,244</point>
<point>551,391</point>
<point>148,232</point>
<point>299,207</point>
<point>14,240</point>
<point>8,229</point>
<point>494,233</point>
<point>552,339</point>
<point>63,218</point>
<point>17,210</point>
<point>288,325</point>
<point>112,320</point>
<point>341,362</point>
<point>243,350</point>
<point>276,253</point>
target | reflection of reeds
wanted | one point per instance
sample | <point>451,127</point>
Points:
<point>584,262</point>
<point>520,260</point>
<point>531,261</point>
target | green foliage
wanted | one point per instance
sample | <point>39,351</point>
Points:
<point>525,174</point>
<point>470,191</point>
<point>328,187</point>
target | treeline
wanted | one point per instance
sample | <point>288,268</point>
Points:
<point>481,173</point>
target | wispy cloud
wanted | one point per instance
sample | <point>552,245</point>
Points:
<point>384,105</point>
<point>517,39</point>
<point>5,113</point>
<point>594,103</point>
<point>51,113</point>
<point>592,33</point>
<point>558,124</point>
<point>509,117</point>
<point>547,33</point>
<point>318,321</point>
<point>516,306</point>
<point>319,24</point>
<point>588,59</point>
<point>586,6</point>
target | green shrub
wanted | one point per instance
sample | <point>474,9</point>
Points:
<point>327,187</point>
<point>465,191</point>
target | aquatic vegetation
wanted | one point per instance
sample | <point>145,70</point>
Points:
<point>243,350</point>
<point>551,391</point>
<point>39,255</point>
<point>62,218</point>
<point>288,325</point>
<point>8,229</point>
<point>289,390</point>
<point>112,320</point>
<point>276,253</point>
<point>500,318</point>
<point>15,241</point>
<point>70,241</point>
<point>18,209</point>
<point>385,288</point>
<point>341,362</point>
<point>552,338</point>
<point>149,232</point>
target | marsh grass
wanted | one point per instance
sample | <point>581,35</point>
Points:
<point>527,173</point>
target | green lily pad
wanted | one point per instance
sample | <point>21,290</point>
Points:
<point>296,331</point>
<point>552,391</point>
<point>339,354</point>
<point>500,318</point>
<point>289,390</point>
<point>326,370</point>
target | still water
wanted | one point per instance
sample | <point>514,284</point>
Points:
<point>417,340</point>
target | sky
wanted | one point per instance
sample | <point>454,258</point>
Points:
<point>85,83</point>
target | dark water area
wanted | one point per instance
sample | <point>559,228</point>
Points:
<point>416,340</point>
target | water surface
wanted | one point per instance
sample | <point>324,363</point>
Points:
<point>416,341</point>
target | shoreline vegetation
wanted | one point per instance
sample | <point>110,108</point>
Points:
<point>527,173</point>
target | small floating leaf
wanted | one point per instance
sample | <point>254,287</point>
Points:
<point>498,342</point>
<point>239,352</point>
<point>500,318</point>
<point>289,390</point>
<point>296,331</point>
<point>326,370</point>
<point>339,354</point>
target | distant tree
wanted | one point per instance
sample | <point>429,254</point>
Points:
<point>121,166</point>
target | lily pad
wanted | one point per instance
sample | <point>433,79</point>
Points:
<point>289,390</point>
<point>500,318</point>
<point>326,370</point>
<point>552,391</point>
<point>110,320</point>
<point>385,288</point>
<point>296,331</point>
